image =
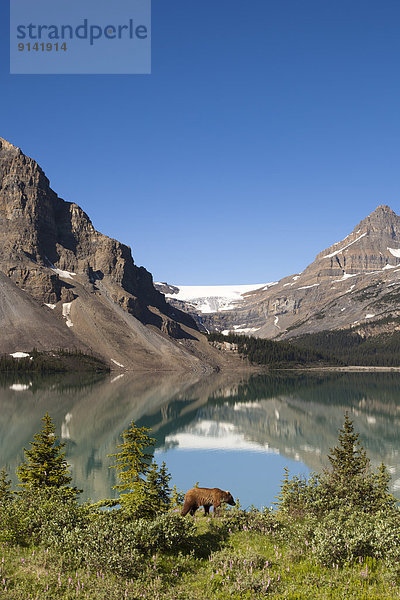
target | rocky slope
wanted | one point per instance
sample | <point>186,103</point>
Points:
<point>354,283</point>
<point>64,284</point>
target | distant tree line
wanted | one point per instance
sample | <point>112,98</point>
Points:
<point>56,361</point>
<point>351,348</point>
<point>269,352</point>
<point>340,347</point>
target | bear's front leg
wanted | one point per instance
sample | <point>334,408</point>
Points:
<point>216,507</point>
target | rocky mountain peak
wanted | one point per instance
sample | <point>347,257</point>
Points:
<point>343,287</point>
<point>383,208</point>
<point>43,237</point>
<point>373,244</point>
<point>6,146</point>
<point>382,219</point>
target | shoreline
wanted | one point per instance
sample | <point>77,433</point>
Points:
<point>348,369</point>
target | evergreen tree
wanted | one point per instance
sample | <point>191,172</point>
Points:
<point>132,464</point>
<point>157,487</point>
<point>349,484</point>
<point>349,478</point>
<point>45,465</point>
<point>177,498</point>
<point>348,459</point>
<point>383,498</point>
<point>5,487</point>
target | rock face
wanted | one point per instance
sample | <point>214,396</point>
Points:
<point>42,235</point>
<point>80,288</point>
<point>354,283</point>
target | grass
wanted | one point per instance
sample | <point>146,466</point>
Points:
<point>235,562</point>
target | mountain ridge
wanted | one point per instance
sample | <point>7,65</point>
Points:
<point>64,284</point>
<point>349,284</point>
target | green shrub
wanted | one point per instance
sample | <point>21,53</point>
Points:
<point>34,516</point>
<point>263,521</point>
<point>110,543</point>
<point>343,537</point>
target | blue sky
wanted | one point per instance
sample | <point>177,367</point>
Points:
<point>266,131</point>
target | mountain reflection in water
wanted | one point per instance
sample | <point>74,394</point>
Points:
<point>222,430</point>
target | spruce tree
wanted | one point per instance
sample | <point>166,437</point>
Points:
<point>157,489</point>
<point>349,485</point>
<point>350,481</point>
<point>5,487</point>
<point>132,465</point>
<point>45,465</point>
<point>348,459</point>
<point>177,498</point>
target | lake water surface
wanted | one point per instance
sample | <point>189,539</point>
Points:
<point>225,431</point>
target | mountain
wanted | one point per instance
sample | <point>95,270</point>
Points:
<point>65,285</point>
<point>353,284</point>
<point>199,300</point>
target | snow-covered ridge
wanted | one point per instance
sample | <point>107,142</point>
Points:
<point>344,247</point>
<point>214,298</point>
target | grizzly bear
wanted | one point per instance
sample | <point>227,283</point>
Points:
<point>206,497</point>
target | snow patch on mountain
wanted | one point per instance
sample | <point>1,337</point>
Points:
<point>351,288</point>
<point>237,329</point>
<point>347,245</point>
<point>66,312</point>
<point>306,287</point>
<point>395,252</point>
<point>215,298</point>
<point>346,276</point>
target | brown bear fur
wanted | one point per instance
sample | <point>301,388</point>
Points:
<point>206,497</point>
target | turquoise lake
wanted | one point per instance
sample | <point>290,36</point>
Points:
<point>221,431</point>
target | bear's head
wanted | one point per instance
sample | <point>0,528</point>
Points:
<point>229,499</point>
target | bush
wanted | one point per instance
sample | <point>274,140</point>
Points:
<point>343,537</point>
<point>237,519</point>
<point>109,543</point>
<point>35,516</point>
<point>101,541</point>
